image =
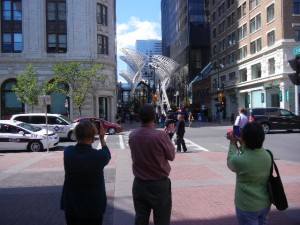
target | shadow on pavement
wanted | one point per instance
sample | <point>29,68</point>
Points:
<point>40,206</point>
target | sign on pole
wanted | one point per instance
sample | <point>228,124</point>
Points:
<point>296,51</point>
<point>45,100</point>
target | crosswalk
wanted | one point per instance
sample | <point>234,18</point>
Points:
<point>121,141</point>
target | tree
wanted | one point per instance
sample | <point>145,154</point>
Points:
<point>81,80</point>
<point>27,90</point>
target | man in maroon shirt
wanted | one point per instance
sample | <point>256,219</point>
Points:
<point>151,151</point>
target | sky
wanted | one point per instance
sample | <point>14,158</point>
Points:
<point>136,20</point>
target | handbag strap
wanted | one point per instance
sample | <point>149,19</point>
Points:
<point>273,164</point>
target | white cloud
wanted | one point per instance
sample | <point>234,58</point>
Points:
<point>134,30</point>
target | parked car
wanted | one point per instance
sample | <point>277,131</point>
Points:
<point>273,118</point>
<point>110,127</point>
<point>21,136</point>
<point>57,123</point>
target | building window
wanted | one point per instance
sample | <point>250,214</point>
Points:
<point>222,27</point>
<point>255,23</point>
<point>230,20</point>
<point>56,26</point>
<point>242,53</point>
<point>242,32</point>
<point>231,39</point>
<point>102,14</point>
<point>254,3</point>
<point>271,38</point>
<point>296,7</point>
<point>214,33</point>
<point>256,71</point>
<point>271,66</point>
<point>222,45</point>
<point>102,44</point>
<point>215,49</point>
<point>232,76</point>
<point>242,10</point>
<point>214,16</point>
<point>243,75</point>
<point>231,58</point>
<point>270,13</point>
<point>297,33</point>
<point>230,3</point>
<point>255,46</point>
<point>222,9</point>
<point>11,26</point>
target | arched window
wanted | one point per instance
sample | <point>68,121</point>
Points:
<point>9,102</point>
<point>58,102</point>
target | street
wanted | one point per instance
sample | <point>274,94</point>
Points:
<point>284,145</point>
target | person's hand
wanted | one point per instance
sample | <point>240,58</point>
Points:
<point>234,139</point>
<point>101,134</point>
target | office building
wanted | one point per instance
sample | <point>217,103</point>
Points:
<point>185,39</point>
<point>251,44</point>
<point>46,32</point>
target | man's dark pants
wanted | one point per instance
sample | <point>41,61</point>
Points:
<point>155,195</point>
<point>180,141</point>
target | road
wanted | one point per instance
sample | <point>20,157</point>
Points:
<point>284,145</point>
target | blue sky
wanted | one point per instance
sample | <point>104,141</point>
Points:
<point>136,20</point>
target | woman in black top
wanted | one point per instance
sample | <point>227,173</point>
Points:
<point>84,196</point>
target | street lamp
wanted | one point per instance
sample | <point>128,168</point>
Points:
<point>218,68</point>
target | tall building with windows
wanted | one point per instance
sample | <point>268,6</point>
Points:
<point>251,44</point>
<point>46,32</point>
<point>149,48</point>
<point>186,39</point>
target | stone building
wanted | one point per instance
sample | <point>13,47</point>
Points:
<point>46,32</point>
<point>251,44</point>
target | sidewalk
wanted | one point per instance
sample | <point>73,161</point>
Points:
<point>202,189</point>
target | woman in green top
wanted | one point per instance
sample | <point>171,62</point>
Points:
<point>252,168</point>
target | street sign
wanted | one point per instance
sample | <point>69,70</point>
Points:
<point>296,51</point>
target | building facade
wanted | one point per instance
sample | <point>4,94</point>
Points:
<point>46,32</point>
<point>149,48</point>
<point>186,39</point>
<point>251,44</point>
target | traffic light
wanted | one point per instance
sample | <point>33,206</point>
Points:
<point>155,97</point>
<point>220,96</point>
<point>297,62</point>
<point>295,65</point>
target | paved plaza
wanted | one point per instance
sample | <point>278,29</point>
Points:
<point>202,188</point>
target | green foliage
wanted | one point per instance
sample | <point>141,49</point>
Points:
<point>27,90</point>
<point>81,80</point>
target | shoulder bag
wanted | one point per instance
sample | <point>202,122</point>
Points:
<point>275,187</point>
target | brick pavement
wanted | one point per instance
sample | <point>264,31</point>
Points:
<point>202,188</point>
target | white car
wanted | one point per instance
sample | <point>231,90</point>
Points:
<point>21,136</point>
<point>57,123</point>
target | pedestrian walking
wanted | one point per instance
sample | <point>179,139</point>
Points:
<point>84,196</point>
<point>170,126</point>
<point>241,119</point>
<point>180,130</point>
<point>252,168</point>
<point>191,119</point>
<point>151,151</point>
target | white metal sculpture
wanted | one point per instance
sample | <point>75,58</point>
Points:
<point>164,68</point>
<point>136,60</point>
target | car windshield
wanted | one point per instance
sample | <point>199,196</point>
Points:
<point>66,119</point>
<point>29,127</point>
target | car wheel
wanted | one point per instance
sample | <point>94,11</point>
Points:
<point>266,128</point>
<point>111,130</point>
<point>35,146</point>
<point>72,136</point>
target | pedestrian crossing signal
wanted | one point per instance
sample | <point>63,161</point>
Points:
<point>155,97</point>
<point>220,96</point>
